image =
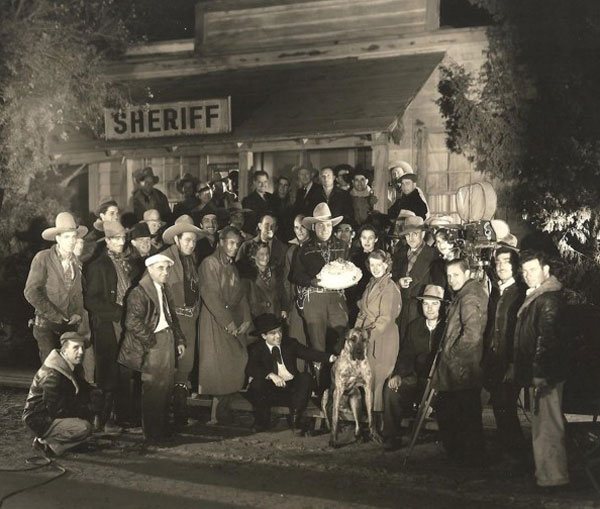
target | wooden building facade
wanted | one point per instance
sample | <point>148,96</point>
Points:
<point>307,82</point>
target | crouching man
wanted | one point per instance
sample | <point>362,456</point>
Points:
<point>272,364</point>
<point>58,408</point>
<point>152,339</point>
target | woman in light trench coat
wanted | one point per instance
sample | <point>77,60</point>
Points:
<point>379,307</point>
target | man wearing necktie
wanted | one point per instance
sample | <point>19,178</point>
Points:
<point>275,380</point>
<point>152,340</point>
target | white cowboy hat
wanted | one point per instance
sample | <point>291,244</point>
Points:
<point>321,213</point>
<point>182,224</point>
<point>65,222</point>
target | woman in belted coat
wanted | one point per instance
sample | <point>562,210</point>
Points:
<point>378,308</point>
<point>224,320</point>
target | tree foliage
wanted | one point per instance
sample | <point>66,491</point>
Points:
<point>529,119</point>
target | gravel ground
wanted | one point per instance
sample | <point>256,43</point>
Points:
<point>215,466</point>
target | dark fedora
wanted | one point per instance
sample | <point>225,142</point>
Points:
<point>140,175</point>
<point>265,323</point>
<point>140,230</point>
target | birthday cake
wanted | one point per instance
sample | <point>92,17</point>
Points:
<point>339,275</point>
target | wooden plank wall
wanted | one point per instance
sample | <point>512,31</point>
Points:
<point>297,25</point>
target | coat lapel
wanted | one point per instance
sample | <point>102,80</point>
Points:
<point>148,285</point>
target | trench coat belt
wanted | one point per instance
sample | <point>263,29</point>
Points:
<point>187,311</point>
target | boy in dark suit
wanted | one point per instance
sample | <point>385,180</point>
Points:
<point>275,380</point>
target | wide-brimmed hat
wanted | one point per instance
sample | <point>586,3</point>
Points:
<point>140,230</point>
<point>75,337</point>
<point>187,177</point>
<point>65,222</point>
<point>152,215</point>
<point>203,186</point>
<point>413,224</point>
<point>182,224</point>
<point>236,206</point>
<point>321,213</point>
<point>433,292</point>
<point>151,260</point>
<point>265,323</point>
<point>406,167</point>
<point>441,221</point>
<point>140,175</point>
<point>112,229</point>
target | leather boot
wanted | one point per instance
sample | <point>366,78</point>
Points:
<point>300,424</point>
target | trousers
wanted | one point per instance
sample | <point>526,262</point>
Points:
<point>263,394</point>
<point>325,312</point>
<point>63,434</point>
<point>186,362</point>
<point>397,405</point>
<point>158,375</point>
<point>460,424</point>
<point>548,435</point>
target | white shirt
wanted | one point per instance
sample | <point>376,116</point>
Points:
<point>162,321</point>
<point>504,285</point>
<point>281,369</point>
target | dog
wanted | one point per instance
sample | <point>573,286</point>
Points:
<point>349,373</point>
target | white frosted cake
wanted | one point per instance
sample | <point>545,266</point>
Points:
<point>338,275</point>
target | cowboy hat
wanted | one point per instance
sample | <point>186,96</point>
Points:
<point>265,323</point>
<point>433,292</point>
<point>112,229</point>
<point>503,235</point>
<point>152,215</point>
<point>406,168</point>
<point>182,224</point>
<point>187,177</point>
<point>65,222</point>
<point>413,224</point>
<point>140,175</point>
<point>321,213</point>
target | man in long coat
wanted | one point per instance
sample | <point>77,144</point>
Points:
<point>107,280</point>
<point>54,287</point>
<point>458,378</point>
<point>184,287</point>
<point>147,197</point>
<point>224,322</point>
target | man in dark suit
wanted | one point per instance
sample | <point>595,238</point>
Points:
<point>414,268</point>
<point>309,194</point>
<point>339,201</point>
<point>272,365</point>
<point>506,298</point>
<point>259,200</point>
<point>107,279</point>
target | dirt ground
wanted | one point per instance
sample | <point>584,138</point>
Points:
<point>216,466</point>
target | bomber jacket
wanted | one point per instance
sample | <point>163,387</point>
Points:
<point>539,349</point>
<point>460,361</point>
<point>56,392</point>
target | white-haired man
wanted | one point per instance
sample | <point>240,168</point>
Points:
<point>152,336</point>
